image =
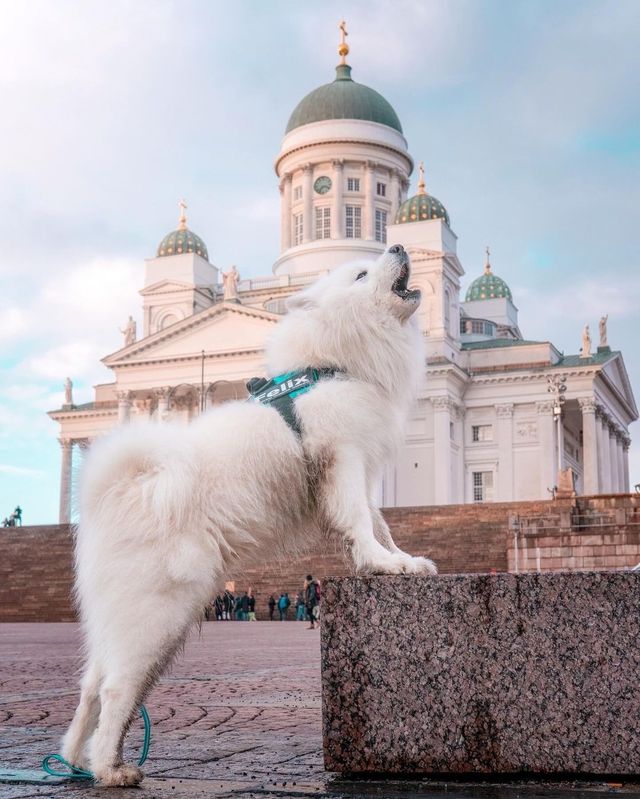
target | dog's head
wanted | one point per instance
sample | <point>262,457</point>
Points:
<point>377,288</point>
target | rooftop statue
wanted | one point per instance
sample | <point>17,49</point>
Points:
<point>603,330</point>
<point>230,282</point>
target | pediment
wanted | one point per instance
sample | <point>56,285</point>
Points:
<point>165,287</point>
<point>616,375</point>
<point>224,329</point>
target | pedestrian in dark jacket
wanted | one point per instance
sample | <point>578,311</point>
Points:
<point>283,606</point>
<point>272,606</point>
<point>311,598</point>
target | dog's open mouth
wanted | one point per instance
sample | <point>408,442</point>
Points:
<point>401,287</point>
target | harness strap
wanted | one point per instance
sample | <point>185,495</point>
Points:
<point>280,391</point>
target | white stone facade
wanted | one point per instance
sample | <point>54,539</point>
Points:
<point>484,427</point>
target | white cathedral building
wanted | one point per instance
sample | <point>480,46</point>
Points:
<point>486,427</point>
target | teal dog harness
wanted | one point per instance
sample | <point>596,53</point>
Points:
<point>280,391</point>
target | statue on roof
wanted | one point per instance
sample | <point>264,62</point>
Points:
<point>68,391</point>
<point>129,332</point>
<point>230,282</point>
<point>603,330</point>
<point>585,352</point>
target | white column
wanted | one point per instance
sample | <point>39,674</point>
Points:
<point>394,193</point>
<point>547,458</point>
<point>442,449</point>
<point>162,410</point>
<point>369,193</point>
<point>285,210</point>
<point>307,203</point>
<point>613,464</point>
<point>626,443</point>
<point>66,448</point>
<point>601,454</point>
<point>337,223</point>
<point>605,486</point>
<point>504,436</point>
<point>622,485</point>
<point>590,445</point>
<point>124,406</point>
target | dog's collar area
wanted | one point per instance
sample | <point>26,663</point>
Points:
<point>281,391</point>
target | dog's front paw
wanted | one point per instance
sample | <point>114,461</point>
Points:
<point>402,563</point>
<point>120,776</point>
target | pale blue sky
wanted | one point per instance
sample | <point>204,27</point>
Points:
<point>525,113</point>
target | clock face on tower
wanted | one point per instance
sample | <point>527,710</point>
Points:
<point>322,184</point>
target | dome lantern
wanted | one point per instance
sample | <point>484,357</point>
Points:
<point>182,241</point>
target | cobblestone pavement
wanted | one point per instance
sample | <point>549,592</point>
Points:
<point>237,716</point>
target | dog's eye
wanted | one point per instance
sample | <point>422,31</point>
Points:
<point>361,275</point>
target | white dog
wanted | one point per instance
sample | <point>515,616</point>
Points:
<point>167,511</point>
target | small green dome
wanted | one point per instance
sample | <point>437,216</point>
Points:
<point>421,207</point>
<point>343,99</point>
<point>182,241</point>
<point>488,286</point>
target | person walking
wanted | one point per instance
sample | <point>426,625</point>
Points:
<point>301,611</point>
<point>272,607</point>
<point>311,599</point>
<point>218,607</point>
<point>244,606</point>
<point>228,602</point>
<point>252,607</point>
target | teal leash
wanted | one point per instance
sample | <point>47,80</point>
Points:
<point>75,773</point>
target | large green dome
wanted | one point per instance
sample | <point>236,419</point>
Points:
<point>488,286</point>
<point>343,99</point>
<point>182,241</point>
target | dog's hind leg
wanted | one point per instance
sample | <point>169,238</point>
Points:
<point>132,673</point>
<point>85,719</point>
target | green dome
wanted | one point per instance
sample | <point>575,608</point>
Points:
<point>488,287</point>
<point>182,241</point>
<point>343,99</point>
<point>420,207</point>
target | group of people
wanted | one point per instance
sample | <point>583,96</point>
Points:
<point>307,603</point>
<point>13,519</point>
<point>227,607</point>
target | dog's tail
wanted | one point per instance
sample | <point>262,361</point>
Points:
<point>140,472</point>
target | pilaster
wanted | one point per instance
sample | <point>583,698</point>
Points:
<point>504,430</point>
<point>613,457</point>
<point>547,448</point>
<point>442,408</point>
<point>307,202</point>
<point>125,399</point>
<point>287,221</point>
<point>337,223</point>
<point>369,228</point>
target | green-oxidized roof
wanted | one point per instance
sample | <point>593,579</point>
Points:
<point>420,207</point>
<point>495,343</point>
<point>343,99</point>
<point>488,287</point>
<point>182,241</point>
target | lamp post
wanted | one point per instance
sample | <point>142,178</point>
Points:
<point>557,385</point>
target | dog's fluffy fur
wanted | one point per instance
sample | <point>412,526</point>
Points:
<point>168,510</point>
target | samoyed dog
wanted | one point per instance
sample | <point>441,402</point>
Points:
<point>167,511</point>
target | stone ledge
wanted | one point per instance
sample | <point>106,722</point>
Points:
<point>512,674</point>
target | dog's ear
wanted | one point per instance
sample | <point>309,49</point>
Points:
<point>303,300</point>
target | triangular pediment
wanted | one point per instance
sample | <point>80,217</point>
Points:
<point>223,329</point>
<point>165,287</point>
<point>616,375</point>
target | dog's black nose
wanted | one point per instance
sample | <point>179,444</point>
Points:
<point>396,249</point>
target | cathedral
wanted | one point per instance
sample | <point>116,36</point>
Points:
<point>499,416</point>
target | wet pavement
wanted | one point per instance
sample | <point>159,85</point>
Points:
<point>237,716</point>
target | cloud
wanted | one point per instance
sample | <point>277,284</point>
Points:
<point>7,468</point>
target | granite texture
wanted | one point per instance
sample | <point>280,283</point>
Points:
<point>511,674</point>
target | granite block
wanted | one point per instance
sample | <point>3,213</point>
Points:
<point>488,674</point>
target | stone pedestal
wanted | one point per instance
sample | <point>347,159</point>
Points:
<point>511,674</point>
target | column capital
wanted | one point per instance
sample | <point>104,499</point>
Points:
<point>371,165</point>
<point>544,408</point>
<point>65,442</point>
<point>626,442</point>
<point>505,411</point>
<point>337,163</point>
<point>442,403</point>
<point>587,404</point>
<point>124,395</point>
<point>162,392</point>
<point>306,168</point>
